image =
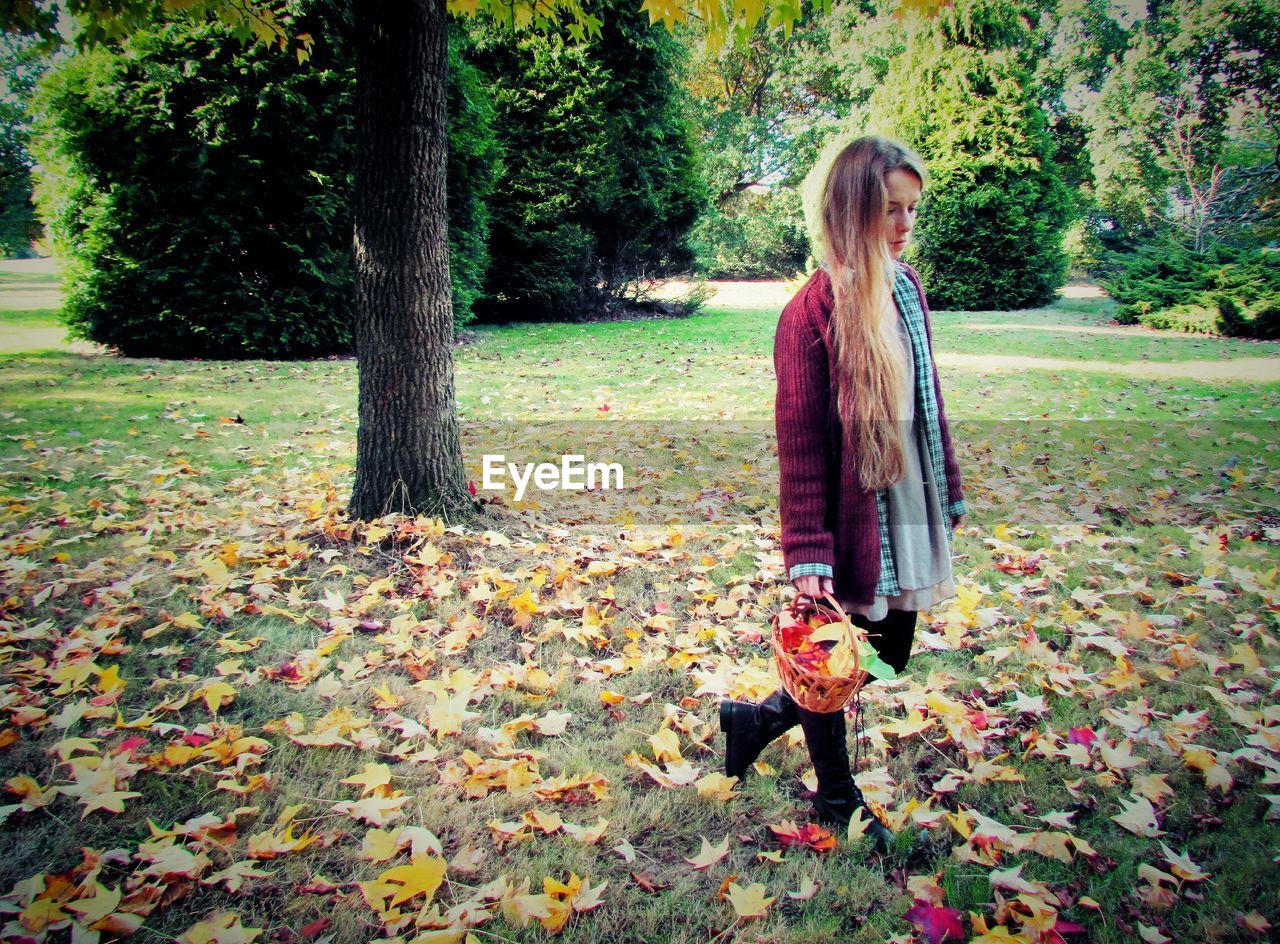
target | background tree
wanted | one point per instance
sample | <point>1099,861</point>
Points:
<point>1184,135</point>
<point>21,64</point>
<point>763,109</point>
<point>1192,85</point>
<point>964,94</point>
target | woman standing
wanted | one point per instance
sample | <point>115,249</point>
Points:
<point>870,488</point>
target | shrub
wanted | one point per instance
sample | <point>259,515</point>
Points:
<point>1265,324</point>
<point>199,191</point>
<point>1193,319</point>
<point>1164,283</point>
<point>1230,322</point>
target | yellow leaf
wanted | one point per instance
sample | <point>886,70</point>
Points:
<point>103,902</point>
<point>710,855</point>
<point>840,661</point>
<point>1242,654</point>
<point>187,621</point>
<point>665,745</point>
<point>749,902</point>
<point>214,695</point>
<point>808,888</point>
<point>1182,866</point>
<point>544,821</point>
<point>914,723</point>
<point>371,778</point>
<point>1051,845</point>
<point>717,786</point>
<point>520,909</point>
<point>112,801</point>
<point>221,928</point>
<point>1139,817</point>
<point>109,680</point>
<point>39,914</point>
<point>374,810</point>
<point>998,935</point>
<point>587,834</point>
<point>552,723</point>
<point>525,603</point>
<point>422,876</point>
<point>379,845</point>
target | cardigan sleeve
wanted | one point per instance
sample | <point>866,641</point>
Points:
<point>804,454</point>
<point>955,491</point>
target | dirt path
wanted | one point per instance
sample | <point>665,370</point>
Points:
<point>1246,369</point>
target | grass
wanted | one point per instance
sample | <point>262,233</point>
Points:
<point>183,523</point>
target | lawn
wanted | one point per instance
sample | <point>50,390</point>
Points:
<point>227,707</point>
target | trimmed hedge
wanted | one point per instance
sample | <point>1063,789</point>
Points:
<point>199,191</point>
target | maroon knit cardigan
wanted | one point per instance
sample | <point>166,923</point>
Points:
<point>827,517</point>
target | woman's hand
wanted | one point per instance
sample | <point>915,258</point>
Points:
<point>811,585</point>
<point>955,522</point>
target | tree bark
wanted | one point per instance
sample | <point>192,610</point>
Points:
<point>408,451</point>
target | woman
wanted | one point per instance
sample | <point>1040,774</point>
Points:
<point>870,488</point>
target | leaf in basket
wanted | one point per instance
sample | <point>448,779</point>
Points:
<point>822,619</point>
<point>873,664</point>
<point>810,657</point>
<point>840,662</point>
<point>831,632</point>
<point>794,636</point>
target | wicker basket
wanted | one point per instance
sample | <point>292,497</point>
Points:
<point>811,690</point>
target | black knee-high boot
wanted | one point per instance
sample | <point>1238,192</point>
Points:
<point>749,728</point>
<point>838,796</point>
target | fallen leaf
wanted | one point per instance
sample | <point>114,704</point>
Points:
<point>748,902</point>
<point>710,855</point>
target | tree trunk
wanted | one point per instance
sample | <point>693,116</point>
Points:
<point>408,452</point>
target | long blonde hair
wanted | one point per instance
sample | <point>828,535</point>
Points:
<point>864,332</point>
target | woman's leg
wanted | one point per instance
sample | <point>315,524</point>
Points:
<point>838,797</point>
<point>749,727</point>
<point>892,636</point>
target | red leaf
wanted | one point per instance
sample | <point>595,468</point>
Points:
<point>1083,736</point>
<point>315,927</point>
<point>937,924</point>
<point>130,744</point>
<point>196,740</point>
<point>1054,934</point>
<point>810,836</point>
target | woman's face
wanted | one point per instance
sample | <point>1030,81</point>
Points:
<point>900,217</point>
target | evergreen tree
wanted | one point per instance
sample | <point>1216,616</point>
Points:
<point>599,185</point>
<point>964,94</point>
